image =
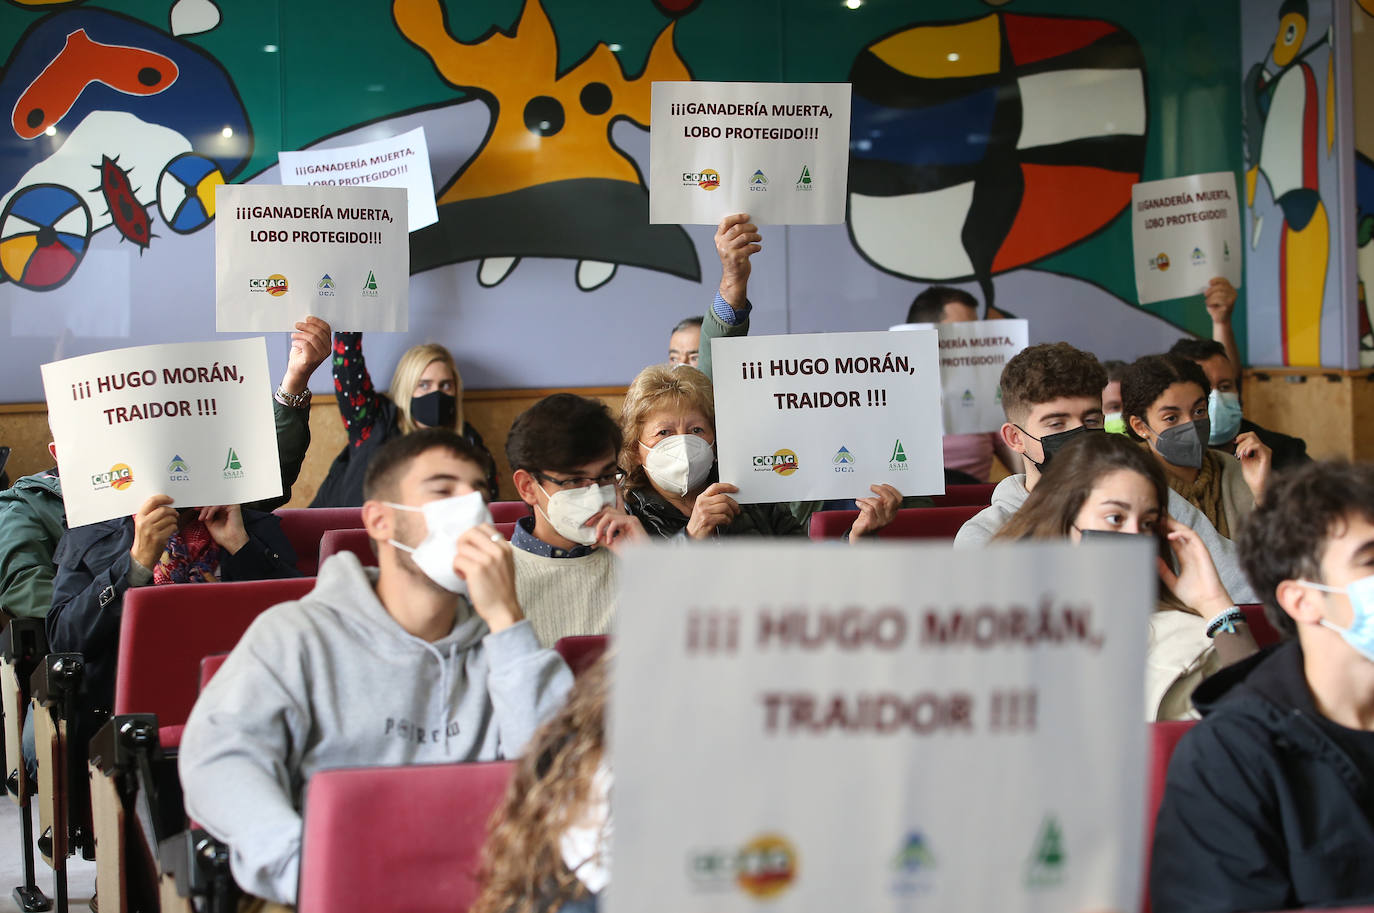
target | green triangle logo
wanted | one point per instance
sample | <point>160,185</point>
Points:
<point>232,461</point>
<point>1047,860</point>
<point>371,283</point>
<point>898,454</point>
<point>805,176</point>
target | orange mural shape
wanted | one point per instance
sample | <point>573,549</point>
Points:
<point>547,127</point>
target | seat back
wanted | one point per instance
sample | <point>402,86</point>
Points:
<point>508,511</point>
<point>356,541</point>
<point>1164,737</point>
<point>582,652</point>
<point>365,847</point>
<point>1260,628</point>
<point>209,665</point>
<point>303,527</point>
<point>964,495</point>
<point>910,523</point>
<point>167,630</point>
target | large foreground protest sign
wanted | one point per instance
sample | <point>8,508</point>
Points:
<point>397,161</point>
<point>886,727</point>
<point>826,415</point>
<point>192,420</point>
<point>1184,231</point>
<point>778,151</point>
<point>282,253</point>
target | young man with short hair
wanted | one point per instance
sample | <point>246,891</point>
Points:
<point>1269,803</point>
<point>425,659</point>
<point>1051,393</point>
<point>563,452</point>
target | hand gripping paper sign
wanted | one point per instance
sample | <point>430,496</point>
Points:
<point>778,151</point>
<point>1185,231</point>
<point>397,161</point>
<point>192,420</point>
<point>826,415</point>
<point>283,253</point>
<point>891,728</point>
<point>972,355</point>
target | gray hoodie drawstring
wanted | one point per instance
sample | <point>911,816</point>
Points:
<point>444,683</point>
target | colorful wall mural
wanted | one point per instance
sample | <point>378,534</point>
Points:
<point>993,146</point>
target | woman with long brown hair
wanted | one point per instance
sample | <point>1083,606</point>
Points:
<point>1104,485</point>
<point>549,848</point>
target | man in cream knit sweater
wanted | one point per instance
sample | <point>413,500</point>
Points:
<point>563,452</point>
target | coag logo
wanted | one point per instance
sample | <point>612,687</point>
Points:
<point>1159,262</point>
<point>274,285</point>
<point>706,178</point>
<point>762,868</point>
<point>783,462</point>
<point>119,478</point>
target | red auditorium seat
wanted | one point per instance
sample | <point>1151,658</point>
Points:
<point>964,495</point>
<point>304,526</point>
<point>910,523</point>
<point>356,541</point>
<point>167,630</point>
<point>581,652</point>
<point>508,511</point>
<point>1163,739</point>
<point>209,666</point>
<point>1260,628</point>
<point>365,847</point>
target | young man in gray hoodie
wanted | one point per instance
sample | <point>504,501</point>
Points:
<point>1051,393</point>
<point>374,666</point>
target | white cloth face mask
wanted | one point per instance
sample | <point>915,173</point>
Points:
<point>446,520</point>
<point>680,463</point>
<point>586,846</point>
<point>570,509</point>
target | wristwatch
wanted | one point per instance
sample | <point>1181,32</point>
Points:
<point>294,400</point>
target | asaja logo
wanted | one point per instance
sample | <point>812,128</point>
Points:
<point>370,285</point>
<point>804,182</point>
<point>898,459</point>
<point>119,478</point>
<point>177,470</point>
<point>763,868</point>
<point>758,181</point>
<point>325,287</point>
<point>1045,867</point>
<point>1199,258</point>
<point>783,462</point>
<point>1160,262</point>
<point>274,285</point>
<point>233,466</point>
<point>706,178</point>
<point>1226,251</point>
<point>914,864</point>
<point>844,460</point>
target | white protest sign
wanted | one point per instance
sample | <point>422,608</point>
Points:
<point>1185,231</point>
<point>192,420</point>
<point>826,415</point>
<point>778,151</point>
<point>972,355</point>
<point>282,253</point>
<point>398,161</point>
<point>880,728</point>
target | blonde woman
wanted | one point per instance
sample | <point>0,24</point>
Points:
<point>669,425</point>
<point>426,392</point>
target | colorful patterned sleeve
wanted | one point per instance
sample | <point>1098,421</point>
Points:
<point>358,402</point>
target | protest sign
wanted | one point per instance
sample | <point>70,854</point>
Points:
<point>1184,231</point>
<point>778,151</point>
<point>282,253</point>
<point>826,415</point>
<point>880,728</point>
<point>192,420</point>
<point>972,355</point>
<point>398,161</point>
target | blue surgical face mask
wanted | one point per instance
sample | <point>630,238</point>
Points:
<point>1224,411</point>
<point>1360,634</point>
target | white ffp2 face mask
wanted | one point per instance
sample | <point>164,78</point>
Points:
<point>446,519</point>
<point>680,463</point>
<point>570,509</point>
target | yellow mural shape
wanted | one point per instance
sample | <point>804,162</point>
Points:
<point>15,253</point>
<point>547,127</point>
<point>943,51</point>
<point>1304,278</point>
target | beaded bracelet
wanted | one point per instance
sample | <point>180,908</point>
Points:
<point>1226,621</point>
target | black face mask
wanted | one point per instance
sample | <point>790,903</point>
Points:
<point>435,410</point>
<point>1053,443</point>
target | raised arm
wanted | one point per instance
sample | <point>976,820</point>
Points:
<point>1221,303</point>
<point>358,401</point>
<point>737,239</point>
